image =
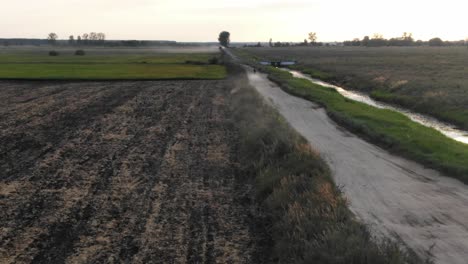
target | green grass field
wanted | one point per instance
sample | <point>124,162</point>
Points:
<point>105,66</point>
<point>390,129</point>
<point>429,80</point>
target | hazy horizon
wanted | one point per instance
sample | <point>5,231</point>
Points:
<point>247,21</point>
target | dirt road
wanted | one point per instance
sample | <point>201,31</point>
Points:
<point>130,172</point>
<point>396,197</point>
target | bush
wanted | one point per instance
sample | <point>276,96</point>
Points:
<point>53,53</point>
<point>80,53</point>
<point>213,60</point>
<point>194,62</point>
<point>436,42</point>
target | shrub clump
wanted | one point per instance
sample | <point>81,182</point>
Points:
<point>213,60</point>
<point>194,62</point>
<point>53,53</point>
<point>80,53</point>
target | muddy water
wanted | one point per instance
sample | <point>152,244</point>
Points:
<point>446,129</point>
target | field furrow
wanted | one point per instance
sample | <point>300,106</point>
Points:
<point>136,172</point>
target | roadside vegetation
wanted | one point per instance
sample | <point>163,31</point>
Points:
<point>120,66</point>
<point>430,80</point>
<point>389,129</point>
<point>309,218</point>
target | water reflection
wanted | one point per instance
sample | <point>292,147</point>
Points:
<point>446,129</point>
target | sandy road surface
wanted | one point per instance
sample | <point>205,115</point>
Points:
<point>394,196</point>
<point>122,172</point>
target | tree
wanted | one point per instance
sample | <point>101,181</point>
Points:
<point>78,40</point>
<point>101,37</point>
<point>407,39</point>
<point>85,38</point>
<point>52,38</point>
<point>377,36</point>
<point>436,42</point>
<point>224,38</point>
<point>93,37</point>
<point>312,37</point>
<point>365,41</point>
<point>407,36</point>
<point>71,40</point>
<point>377,40</point>
<point>356,42</point>
<point>270,43</point>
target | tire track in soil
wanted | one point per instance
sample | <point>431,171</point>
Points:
<point>151,180</point>
<point>37,201</point>
<point>31,205</point>
<point>13,89</point>
<point>193,221</point>
<point>15,96</point>
<point>112,164</point>
<point>166,214</point>
<point>36,171</point>
<point>133,219</point>
<point>42,100</point>
<point>30,143</point>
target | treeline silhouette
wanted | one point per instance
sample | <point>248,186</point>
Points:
<point>107,43</point>
<point>86,39</point>
<point>93,38</point>
<point>406,39</point>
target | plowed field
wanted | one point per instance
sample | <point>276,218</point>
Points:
<point>123,172</point>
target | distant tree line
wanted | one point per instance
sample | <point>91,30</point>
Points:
<point>19,42</point>
<point>406,39</point>
<point>87,39</point>
<point>93,38</point>
<point>279,44</point>
<point>258,45</point>
<point>377,40</point>
<point>311,40</point>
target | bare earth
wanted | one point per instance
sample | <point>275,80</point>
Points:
<point>131,172</point>
<point>396,197</point>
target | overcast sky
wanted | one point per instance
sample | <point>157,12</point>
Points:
<point>247,20</point>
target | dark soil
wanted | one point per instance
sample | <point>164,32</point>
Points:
<point>123,172</point>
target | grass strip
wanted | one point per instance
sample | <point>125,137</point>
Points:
<point>68,57</point>
<point>308,216</point>
<point>110,71</point>
<point>427,80</point>
<point>380,92</point>
<point>456,116</point>
<point>35,66</point>
<point>387,128</point>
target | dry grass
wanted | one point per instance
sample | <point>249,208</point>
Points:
<point>309,218</point>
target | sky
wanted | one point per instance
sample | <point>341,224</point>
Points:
<point>246,20</point>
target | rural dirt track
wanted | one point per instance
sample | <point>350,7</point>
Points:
<point>129,172</point>
<point>396,197</point>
